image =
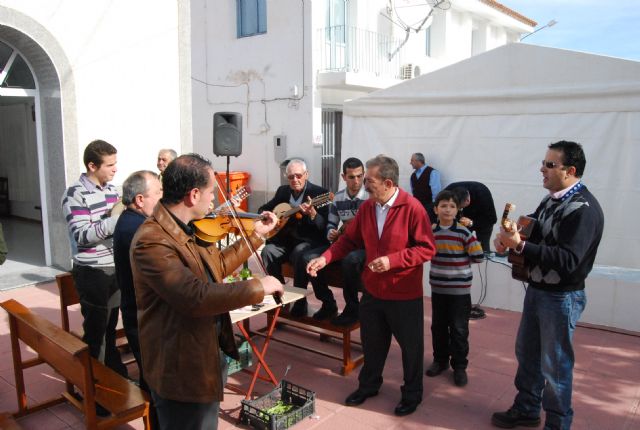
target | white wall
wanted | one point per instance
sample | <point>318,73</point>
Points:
<point>240,72</point>
<point>124,63</point>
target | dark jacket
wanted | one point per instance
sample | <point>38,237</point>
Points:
<point>301,229</point>
<point>481,210</point>
<point>178,307</point>
<point>128,224</point>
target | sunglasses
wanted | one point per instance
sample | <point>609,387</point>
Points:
<point>550,164</point>
<point>295,176</point>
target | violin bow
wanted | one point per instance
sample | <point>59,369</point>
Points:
<point>244,234</point>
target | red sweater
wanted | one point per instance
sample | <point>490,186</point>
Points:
<point>406,239</point>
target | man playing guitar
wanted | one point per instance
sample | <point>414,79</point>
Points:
<point>298,235</point>
<point>559,253</point>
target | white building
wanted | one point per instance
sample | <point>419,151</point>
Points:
<point>150,74</point>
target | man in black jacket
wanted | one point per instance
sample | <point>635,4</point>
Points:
<point>141,192</point>
<point>559,254</point>
<point>477,211</point>
<point>299,236</point>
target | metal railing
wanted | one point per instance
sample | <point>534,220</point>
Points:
<point>351,49</point>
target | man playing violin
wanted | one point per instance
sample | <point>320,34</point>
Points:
<point>183,306</point>
<point>299,236</point>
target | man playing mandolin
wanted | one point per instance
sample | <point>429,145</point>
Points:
<point>559,253</point>
<point>299,234</point>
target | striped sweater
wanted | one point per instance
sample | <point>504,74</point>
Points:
<point>86,208</point>
<point>344,208</point>
<point>456,249</point>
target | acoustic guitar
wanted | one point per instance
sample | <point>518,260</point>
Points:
<point>524,226</point>
<point>284,211</point>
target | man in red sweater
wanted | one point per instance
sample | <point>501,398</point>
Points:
<point>395,232</point>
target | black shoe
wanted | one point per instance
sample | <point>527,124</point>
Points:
<point>345,319</point>
<point>358,397</point>
<point>513,418</point>
<point>406,407</point>
<point>436,368</point>
<point>328,310</point>
<point>460,377</point>
<point>299,308</point>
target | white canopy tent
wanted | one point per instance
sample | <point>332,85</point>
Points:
<point>490,119</point>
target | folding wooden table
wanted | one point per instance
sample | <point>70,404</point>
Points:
<point>241,319</point>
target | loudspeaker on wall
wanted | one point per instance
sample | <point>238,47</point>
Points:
<point>227,134</point>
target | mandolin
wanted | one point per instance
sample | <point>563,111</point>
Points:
<point>524,226</point>
<point>284,211</point>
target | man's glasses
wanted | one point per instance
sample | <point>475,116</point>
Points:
<point>550,164</point>
<point>295,176</point>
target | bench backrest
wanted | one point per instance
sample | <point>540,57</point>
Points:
<point>68,296</point>
<point>67,354</point>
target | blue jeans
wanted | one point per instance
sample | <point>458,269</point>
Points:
<point>544,349</point>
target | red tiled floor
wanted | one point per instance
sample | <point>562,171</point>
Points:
<point>606,382</point>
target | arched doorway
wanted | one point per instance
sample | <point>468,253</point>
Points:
<point>39,117</point>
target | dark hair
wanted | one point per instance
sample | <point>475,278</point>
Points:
<point>572,155</point>
<point>94,152</point>
<point>447,195</point>
<point>388,168</point>
<point>461,194</point>
<point>135,184</point>
<point>182,175</point>
<point>351,163</point>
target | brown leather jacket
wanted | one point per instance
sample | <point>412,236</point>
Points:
<point>178,307</point>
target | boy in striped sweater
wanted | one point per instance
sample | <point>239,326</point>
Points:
<point>450,278</point>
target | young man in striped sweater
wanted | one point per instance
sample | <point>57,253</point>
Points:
<point>91,212</point>
<point>450,278</point>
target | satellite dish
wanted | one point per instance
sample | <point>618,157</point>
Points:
<point>411,13</point>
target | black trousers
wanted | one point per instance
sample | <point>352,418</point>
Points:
<point>484,237</point>
<point>100,305</point>
<point>450,328</point>
<point>274,254</point>
<point>404,320</point>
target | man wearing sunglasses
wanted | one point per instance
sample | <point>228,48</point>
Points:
<point>559,253</point>
<point>299,236</point>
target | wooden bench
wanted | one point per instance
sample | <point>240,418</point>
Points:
<point>325,329</point>
<point>70,357</point>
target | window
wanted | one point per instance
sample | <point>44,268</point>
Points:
<point>252,17</point>
<point>335,18</point>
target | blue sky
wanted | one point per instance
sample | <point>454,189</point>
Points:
<point>598,26</point>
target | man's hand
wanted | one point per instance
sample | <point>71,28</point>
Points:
<point>271,285</point>
<point>506,239</point>
<point>333,235</point>
<point>315,265</point>
<point>467,222</point>
<point>380,264</point>
<point>267,224</point>
<point>307,209</point>
<point>117,209</point>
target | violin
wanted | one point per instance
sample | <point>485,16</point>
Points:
<point>216,227</point>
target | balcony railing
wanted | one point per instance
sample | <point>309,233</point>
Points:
<point>351,49</point>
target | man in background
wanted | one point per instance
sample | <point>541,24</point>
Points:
<point>477,210</point>
<point>425,183</point>
<point>165,156</point>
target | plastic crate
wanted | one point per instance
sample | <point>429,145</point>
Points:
<point>254,411</point>
<point>246,359</point>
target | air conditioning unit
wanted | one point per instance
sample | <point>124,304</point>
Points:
<point>409,71</point>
